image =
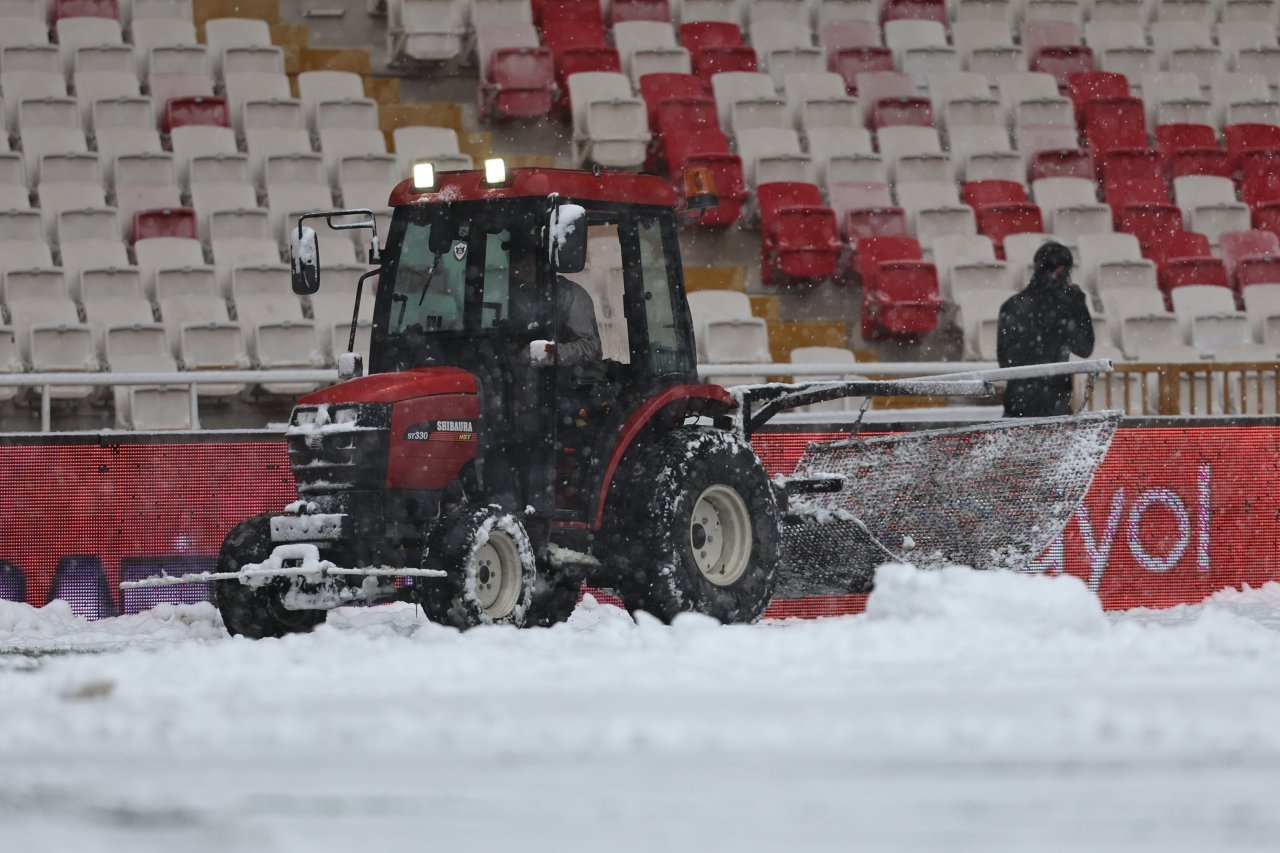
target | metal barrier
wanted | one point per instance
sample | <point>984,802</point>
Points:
<point>1205,388</point>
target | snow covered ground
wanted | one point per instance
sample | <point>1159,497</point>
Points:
<point>963,711</point>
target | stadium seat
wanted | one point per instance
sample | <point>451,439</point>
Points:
<point>1246,249</point>
<point>609,124</point>
<point>980,193</point>
<point>716,46</point>
<point>1262,307</point>
<point>143,348</point>
<point>998,221</point>
<point>785,47</point>
<point>801,241</point>
<point>649,47</point>
<point>1178,273</point>
<point>983,153</point>
<point>986,46</point>
<point>1114,262</point>
<point>1175,98</point>
<point>977,315</point>
<point>1032,99</point>
<point>421,143</point>
<point>748,100</point>
<point>516,72</point>
<point>891,98</point>
<point>425,30</point>
<point>962,99</point>
<point>921,48</point>
<point>917,196</point>
<point>865,209</point>
<point>1115,123</point>
<point>818,99</point>
<point>913,154</point>
<point>899,290</point>
<point>773,155</point>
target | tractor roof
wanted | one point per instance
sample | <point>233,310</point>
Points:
<point>618,187</point>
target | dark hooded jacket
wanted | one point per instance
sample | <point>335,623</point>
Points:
<point>1046,322</point>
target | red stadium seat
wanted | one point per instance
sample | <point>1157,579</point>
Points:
<point>981,193</point>
<point>1241,138</point>
<point>701,35</point>
<point>1111,123</point>
<point>1257,270</point>
<point>577,46</point>
<point>1266,217</point>
<point>1175,243</point>
<point>556,11</point>
<point>800,241</point>
<point>1130,164</point>
<point>998,221</point>
<point>85,9</point>
<point>1062,61</point>
<point>1171,138</point>
<point>873,251</point>
<point>657,89</point>
<point>687,127</point>
<point>1135,192</point>
<point>1200,161</point>
<point>638,10</point>
<point>1150,223</point>
<point>201,109</point>
<point>1260,177</point>
<point>165,222</point>
<point>1089,86</point>
<point>1244,248</point>
<point>517,84</point>
<point>899,290</point>
<point>716,46</point>
<point>923,10</point>
<point>849,62</point>
<point>1183,272</point>
<point>1061,163</point>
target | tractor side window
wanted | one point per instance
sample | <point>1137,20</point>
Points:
<point>667,355</point>
<point>497,280</point>
<point>430,300</point>
<point>603,280</point>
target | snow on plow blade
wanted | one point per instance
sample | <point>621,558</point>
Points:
<point>988,496</point>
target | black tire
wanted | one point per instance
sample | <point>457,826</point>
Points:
<point>492,576</point>
<point>661,566</point>
<point>255,612</point>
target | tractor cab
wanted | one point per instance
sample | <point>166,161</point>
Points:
<point>561,292</point>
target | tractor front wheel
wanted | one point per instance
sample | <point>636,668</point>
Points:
<point>705,529</point>
<point>255,611</point>
<point>492,576</point>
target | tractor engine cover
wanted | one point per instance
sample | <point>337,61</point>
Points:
<point>433,424</point>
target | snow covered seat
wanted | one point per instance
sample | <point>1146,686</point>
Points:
<point>366,180</point>
<point>921,48</point>
<point>317,87</point>
<point>773,155</point>
<point>785,48</point>
<point>649,47</point>
<point>436,145</point>
<point>218,194</point>
<point>746,99</point>
<point>1032,99</point>
<point>73,33</point>
<point>424,30</point>
<point>113,297</point>
<point>337,143</point>
<point>163,253</point>
<point>271,316</point>
<point>818,99</point>
<point>1209,205</point>
<point>1114,261</point>
<point>1175,98</point>
<point>610,124</point>
<point>223,33</point>
<point>246,87</point>
<point>145,181</point>
<point>1193,301</point>
<point>913,154</point>
<point>144,348</point>
<point>978,316</point>
<point>983,153</point>
<point>845,154</point>
<point>964,98</point>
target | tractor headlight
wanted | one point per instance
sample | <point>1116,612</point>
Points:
<point>495,171</point>
<point>424,176</point>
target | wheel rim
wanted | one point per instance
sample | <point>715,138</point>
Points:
<point>498,575</point>
<point>720,535</point>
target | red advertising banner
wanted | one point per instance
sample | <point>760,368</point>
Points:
<point>1174,514</point>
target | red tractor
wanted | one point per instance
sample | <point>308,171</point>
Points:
<point>532,419</point>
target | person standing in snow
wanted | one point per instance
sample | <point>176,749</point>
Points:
<point>1046,322</point>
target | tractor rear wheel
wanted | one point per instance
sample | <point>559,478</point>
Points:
<point>492,576</point>
<point>704,529</point>
<point>255,611</point>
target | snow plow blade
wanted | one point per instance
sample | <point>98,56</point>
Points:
<point>990,496</point>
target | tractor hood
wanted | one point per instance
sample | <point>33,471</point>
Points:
<point>396,387</point>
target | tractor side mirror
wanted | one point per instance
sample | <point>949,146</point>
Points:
<point>568,238</point>
<point>304,254</point>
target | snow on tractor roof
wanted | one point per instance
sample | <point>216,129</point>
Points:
<point>618,187</point>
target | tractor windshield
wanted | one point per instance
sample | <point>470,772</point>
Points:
<point>455,275</point>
